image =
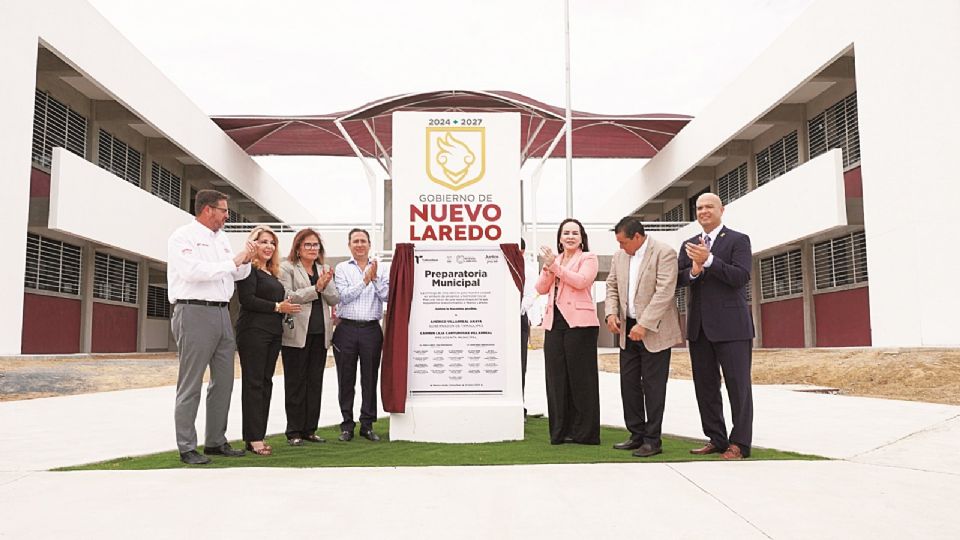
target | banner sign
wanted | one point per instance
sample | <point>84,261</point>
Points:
<point>456,178</point>
<point>457,327</point>
<point>456,197</point>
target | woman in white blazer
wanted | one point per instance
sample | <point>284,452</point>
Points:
<point>306,335</point>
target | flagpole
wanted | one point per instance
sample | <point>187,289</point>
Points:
<point>568,118</point>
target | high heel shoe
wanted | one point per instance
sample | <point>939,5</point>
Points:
<point>262,451</point>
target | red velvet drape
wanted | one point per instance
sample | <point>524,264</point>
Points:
<point>393,371</point>
<point>514,263</point>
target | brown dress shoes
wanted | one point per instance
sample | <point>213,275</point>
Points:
<point>708,448</point>
<point>733,452</point>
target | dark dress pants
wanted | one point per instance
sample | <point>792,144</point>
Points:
<point>258,351</point>
<point>350,343</point>
<point>524,343</point>
<point>643,387</point>
<point>707,358</point>
<point>573,382</point>
<point>303,369</point>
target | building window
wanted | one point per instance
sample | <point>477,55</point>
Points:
<point>56,125</point>
<point>165,184</point>
<point>115,278</point>
<point>837,127</point>
<point>674,214</point>
<point>681,296</point>
<point>692,202</point>
<point>778,158</point>
<point>781,275</point>
<point>733,185</point>
<point>841,261</point>
<point>234,217</point>
<point>52,265</point>
<point>119,158</point>
<point>158,305</point>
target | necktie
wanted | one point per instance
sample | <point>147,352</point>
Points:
<point>706,241</point>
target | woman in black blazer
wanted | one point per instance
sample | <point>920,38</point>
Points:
<point>259,332</point>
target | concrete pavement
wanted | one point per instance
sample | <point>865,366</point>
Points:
<point>896,473</point>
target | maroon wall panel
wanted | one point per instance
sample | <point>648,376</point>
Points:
<point>39,183</point>
<point>853,183</point>
<point>843,318</point>
<point>51,325</point>
<point>114,328</point>
<point>782,323</point>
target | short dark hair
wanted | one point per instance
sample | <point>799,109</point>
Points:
<point>523,243</point>
<point>208,197</point>
<point>583,235</point>
<point>630,226</point>
<point>355,229</point>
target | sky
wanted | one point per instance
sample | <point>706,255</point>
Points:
<point>288,57</point>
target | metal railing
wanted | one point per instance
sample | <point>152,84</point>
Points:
<point>294,227</point>
<point>647,225</point>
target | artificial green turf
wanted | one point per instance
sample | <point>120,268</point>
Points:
<point>534,449</point>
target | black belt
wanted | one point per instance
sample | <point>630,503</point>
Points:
<point>351,322</point>
<point>204,303</point>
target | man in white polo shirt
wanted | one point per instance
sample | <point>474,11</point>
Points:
<point>201,270</point>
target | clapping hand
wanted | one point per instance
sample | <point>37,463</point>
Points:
<point>698,254</point>
<point>247,255</point>
<point>547,256</point>
<point>370,273</point>
<point>324,278</point>
<point>288,307</point>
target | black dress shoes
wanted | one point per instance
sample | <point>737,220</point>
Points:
<point>370,435</point>
<point>628,444</point>
<point>346,436</point>
<point>647,450</point>
<point>193,458</point>
<point>314,439</point>
<point>223,450</point>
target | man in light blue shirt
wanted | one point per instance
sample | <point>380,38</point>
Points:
<point>363,291</point>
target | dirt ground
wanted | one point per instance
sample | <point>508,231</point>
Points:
<point>931,375</point>
<point>37,377</point>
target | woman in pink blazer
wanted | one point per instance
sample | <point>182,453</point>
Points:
<point>570,343</point>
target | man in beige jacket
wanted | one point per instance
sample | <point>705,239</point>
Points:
<point>642,309</point>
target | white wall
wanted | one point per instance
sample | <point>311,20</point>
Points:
<point>18,62</point>
<point>79,34</point>
<point>97,50</point>
<point>806,201</point>
<point>156,334</point>
<point>91,203</point>
<point>907,82</point>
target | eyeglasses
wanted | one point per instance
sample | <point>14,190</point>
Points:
<point>224,210</point>
<point>311,246</point>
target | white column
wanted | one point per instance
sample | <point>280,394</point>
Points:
<point>87,268</point>
<point>18,61</point>
<point>142,289</point>
<point>907,87</point>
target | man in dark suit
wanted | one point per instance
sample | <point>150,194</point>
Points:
<point>716,266</point>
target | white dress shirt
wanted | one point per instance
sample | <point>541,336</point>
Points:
<point>359,301</point>
<point>200,265</point>
<point>634,280</point>
<point>713,240</point>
